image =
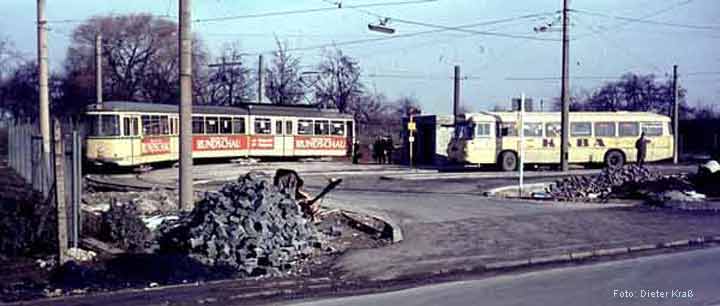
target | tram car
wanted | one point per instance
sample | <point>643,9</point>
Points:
<point>132,133</point>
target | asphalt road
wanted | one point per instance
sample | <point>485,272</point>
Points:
<point>690,278</point>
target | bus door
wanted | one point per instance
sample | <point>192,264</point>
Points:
<point>483,144</point>
<point>659,145</point>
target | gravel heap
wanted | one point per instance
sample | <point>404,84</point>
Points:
<point>248,225</point>
<point>619,182</point>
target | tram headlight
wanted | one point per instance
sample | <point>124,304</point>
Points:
<point>101,149</point>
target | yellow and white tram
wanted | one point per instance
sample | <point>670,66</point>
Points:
<point>132,133</point>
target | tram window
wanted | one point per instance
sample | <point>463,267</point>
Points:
<point>628,129</point>
<point>337,128</point>
<point>670,128</point>
<point>532,129</point>
<point>321,127</point>
<point>604,129</point>
<point>151,125</point>
<point>135,127</point>
<point>508,129</point>
<point>305,127</point>
<point>262,126</point>
<point>198,125</point>
<point>238,125</point>
<point>225,125</point>
<point>580,129</point>
<point>126,127</point>
<point>211,125</point>
<point>552,129</point>
<point>288,128</point>
<point>164,125</point>
<point>482,130</point>
<point>278,127</point>
<point>652,128</point>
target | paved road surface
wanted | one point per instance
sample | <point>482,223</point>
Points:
<point>695,274</point>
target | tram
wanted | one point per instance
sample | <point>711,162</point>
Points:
<point>124,134</point>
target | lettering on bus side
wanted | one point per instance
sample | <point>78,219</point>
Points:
<point>319,143</point>
<point>219,143</point>
<point>155,145</point>
<point>580,143</point>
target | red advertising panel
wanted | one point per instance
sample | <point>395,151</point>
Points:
<point>262,142</point>
<point>155,145</point>
<point>320,143</point>
<point>219,143</point>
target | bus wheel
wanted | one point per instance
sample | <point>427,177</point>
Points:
<point>614,159</point>
<point>508,161</point>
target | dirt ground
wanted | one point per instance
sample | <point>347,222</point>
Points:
<point>22,278</point>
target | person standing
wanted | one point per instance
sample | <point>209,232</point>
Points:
<point>388,149</point>
<point>356,152</point>
<point>641,146</point>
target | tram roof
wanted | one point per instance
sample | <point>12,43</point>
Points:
<point>243,109</point>
<point>592,116</point>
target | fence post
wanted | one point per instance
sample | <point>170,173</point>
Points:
<point>10,146</point>
<point>62,228</point>
<point>76,182</point>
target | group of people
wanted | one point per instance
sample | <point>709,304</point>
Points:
<point>382,150</point>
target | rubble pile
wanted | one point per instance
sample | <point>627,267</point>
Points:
<point>249,225</point>
<point>122,225</point>
<point>612,181</point>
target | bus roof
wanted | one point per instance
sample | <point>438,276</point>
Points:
<point>243,109</point>
<point>574,116</point>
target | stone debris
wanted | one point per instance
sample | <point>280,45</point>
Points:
<point>249,225</point>
<point>123,226</point>
<point>80,255</point>
<point>594,188</point>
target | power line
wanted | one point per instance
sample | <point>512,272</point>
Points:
<point>645,17</point>
<point>312,10</point>
<point>641,20</point>
<point>460,29</point>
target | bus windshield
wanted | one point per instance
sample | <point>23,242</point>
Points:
<point>103,125</point>
<point>465,130</point>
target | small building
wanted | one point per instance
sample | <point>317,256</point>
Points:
<point>432,137</point>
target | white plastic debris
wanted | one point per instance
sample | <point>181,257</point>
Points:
<point>80,255</point>
<point>153,222</point>
<point>712,166</point>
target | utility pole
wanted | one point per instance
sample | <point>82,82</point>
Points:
<point>44,93</point>
<point>676,115</point>
<point>261,79</point>
<point>98,69</point>
<point>186,161</point>
<point>456,94</point>
<point>564,95</point>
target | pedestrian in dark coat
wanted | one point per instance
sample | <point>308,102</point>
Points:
<point>641,146</point>
<point>388,150</point>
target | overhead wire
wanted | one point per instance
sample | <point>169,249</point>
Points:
<point>651,22</point>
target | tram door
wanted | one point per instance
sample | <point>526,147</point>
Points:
<point>283,136</point>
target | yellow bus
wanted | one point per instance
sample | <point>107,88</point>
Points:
<point>595,137</point>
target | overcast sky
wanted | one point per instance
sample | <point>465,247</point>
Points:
<point>658,34</point>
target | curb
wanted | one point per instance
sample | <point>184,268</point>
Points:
<point>581,256</point>
<point>390,229</point>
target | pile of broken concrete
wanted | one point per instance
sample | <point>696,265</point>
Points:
<point>249,225</point>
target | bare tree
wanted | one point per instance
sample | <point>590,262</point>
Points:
<point>229,83</point>
<point>339,82</point>
<point>139,58</point>
<point>284,82</point>
<point>405,104</point>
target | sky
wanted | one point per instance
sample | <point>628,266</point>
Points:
<point>499,60</point>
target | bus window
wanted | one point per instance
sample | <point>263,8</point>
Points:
<point>305,127</point>
<point>628,129</point>
<point>604,129</point>
<point>238,125</point>
<point>321,127</point>
<point>262,126</point>
<point>552,129</point>
<point>198,125</point>
<point>164,125</point>
<point>288,128</point>
<point>482,130</point>
<point>580,129</point>
<point>225,125</point>
<point>652,128</point>
<point>508,129</point>
<point>337,128</point>
<point>278,127</point>
<point>533,129</point>
<point>465,130</point>
<point>211,125</point>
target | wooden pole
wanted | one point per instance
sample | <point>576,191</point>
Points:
<point>62,227</point>
<point>186,162</point>
<point>565,92</point>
